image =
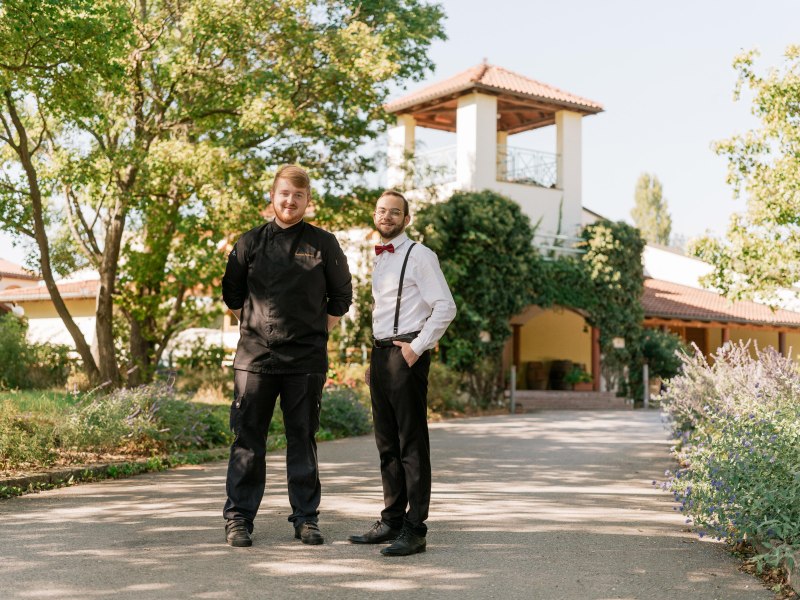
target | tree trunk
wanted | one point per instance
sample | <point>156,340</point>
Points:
<point>109,370</point>
<point>40,234</point>
<point>142,351</point>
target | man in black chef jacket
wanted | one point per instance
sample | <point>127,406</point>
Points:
<point>288,283</point>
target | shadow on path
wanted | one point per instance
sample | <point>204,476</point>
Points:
<point>549,505</point>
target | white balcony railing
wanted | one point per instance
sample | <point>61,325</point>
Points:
<point>516,165</point>
<point>434,167</point>
<point>530,167</point>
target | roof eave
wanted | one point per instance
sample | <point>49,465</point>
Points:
<point>463,90</point>
<point>735,320</point>
<point>588,109</point>
<point>406,106</point>
<point>43,297</point>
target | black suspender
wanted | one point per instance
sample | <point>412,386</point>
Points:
<point>400,289</point>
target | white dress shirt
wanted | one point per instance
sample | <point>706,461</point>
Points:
<point>426,306</point>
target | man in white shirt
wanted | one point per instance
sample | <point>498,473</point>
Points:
<point>412,309</point>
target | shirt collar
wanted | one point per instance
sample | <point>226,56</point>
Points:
<point>398,241</point>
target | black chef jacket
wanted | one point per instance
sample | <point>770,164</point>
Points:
<point>287,282</point>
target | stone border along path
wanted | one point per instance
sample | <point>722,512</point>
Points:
<point>549,505</point>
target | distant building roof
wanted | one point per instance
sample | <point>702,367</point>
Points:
<point>70,290</point>
<point>523,103</point>
<point>10,269</point>
<point>672,301</point>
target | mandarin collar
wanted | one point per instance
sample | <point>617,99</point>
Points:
<point>277,229</point>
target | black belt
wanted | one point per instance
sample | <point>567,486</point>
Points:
<point>388,342</point>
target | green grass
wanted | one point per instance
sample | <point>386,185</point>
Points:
<point>40,402</point>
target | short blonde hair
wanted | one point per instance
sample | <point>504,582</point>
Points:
<point>296,175</point>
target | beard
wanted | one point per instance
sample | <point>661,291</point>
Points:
<point>390,231</point>
<point>290,216</point>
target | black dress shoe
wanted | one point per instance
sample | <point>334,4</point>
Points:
<point>407,543</point>
<point>309,533</point>
<point>237,534</point>
<point>379,533</point>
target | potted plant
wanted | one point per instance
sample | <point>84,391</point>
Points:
<point>581,380</point>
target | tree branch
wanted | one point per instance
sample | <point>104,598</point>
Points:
<point>89,242</point>
<point>10,139</point>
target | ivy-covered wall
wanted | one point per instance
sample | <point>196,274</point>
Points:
<point>606,281</point>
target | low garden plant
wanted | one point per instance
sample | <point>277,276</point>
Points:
<point>50,428</point>
<point>738,421</point>
<point>26,365</point>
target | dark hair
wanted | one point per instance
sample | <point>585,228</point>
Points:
<point>396,194</point>
<point>296,175</point>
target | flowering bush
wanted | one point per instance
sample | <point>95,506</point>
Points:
<point>739,424</point>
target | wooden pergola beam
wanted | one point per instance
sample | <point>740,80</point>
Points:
<point>659,321</point>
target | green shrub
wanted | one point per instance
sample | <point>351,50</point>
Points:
<point>739,422</point>
<point>343,413</point>
<point>49,365</point>
<point>445,389</point>
<point>24,440</point>
<point>13,363</point>
<point>488,265</point>
<point>146,418</point>
<point>662,350</point>
<point>199,354</point>
<point>24,365</point>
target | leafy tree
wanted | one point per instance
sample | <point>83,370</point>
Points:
<point>650,212</point>
<point>760,254</point>
<point>151,128</point>
<point>54,58</point>
<point>483,241</point>
<point>662,350</point>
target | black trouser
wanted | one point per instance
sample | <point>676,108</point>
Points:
<point>400,415</point>
<point>251,413</point>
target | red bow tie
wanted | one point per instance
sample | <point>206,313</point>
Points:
<point>387,248</point>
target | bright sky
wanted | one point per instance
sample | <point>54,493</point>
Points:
<point>662,70</point>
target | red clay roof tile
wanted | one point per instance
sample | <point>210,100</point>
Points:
<point>73,289</point>
<point>673,301</point>
<point>497,78</point>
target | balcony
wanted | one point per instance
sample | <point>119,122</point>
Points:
<point>434,167</point>
<point>514,165</point>
<point>528,167</point>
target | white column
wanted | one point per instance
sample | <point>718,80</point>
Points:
<point>568,144</point>
<point>400,147</point>
<point>502,161</point>
<point>476,142</point>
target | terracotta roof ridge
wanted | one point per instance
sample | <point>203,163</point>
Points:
<point>484,67</point>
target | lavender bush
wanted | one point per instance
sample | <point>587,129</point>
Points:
<point>738,419</point>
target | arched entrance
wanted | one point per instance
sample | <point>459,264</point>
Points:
<point>551,338</point>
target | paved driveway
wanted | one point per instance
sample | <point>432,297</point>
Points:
<point>549,505</point>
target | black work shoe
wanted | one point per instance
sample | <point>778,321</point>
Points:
<point>379,533</point>
<point>406,543</point>
<point>237,534</point>
<point>308,533</point>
